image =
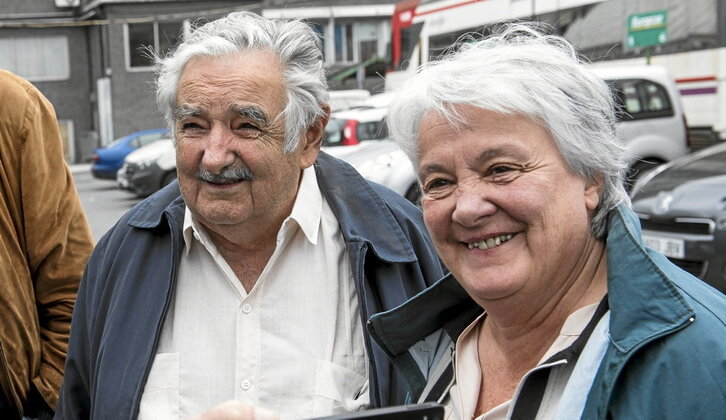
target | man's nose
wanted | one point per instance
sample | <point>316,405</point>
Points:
<point>219,149</point>
<point>473,204</point>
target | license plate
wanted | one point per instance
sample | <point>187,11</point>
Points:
<point>670,247</point>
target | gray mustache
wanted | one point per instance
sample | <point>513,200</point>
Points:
<point>226,176</point>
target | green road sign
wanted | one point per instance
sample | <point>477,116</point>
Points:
<point>646,29</point>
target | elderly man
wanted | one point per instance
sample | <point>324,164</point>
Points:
<point>251,279</point>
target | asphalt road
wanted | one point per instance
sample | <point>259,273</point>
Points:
<point>102,200</point>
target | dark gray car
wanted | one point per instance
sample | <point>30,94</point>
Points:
<point>682,209</point>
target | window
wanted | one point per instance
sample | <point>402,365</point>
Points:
<point>344,43</point>
<point>374,130</point>
<point>38,58</point>
<point>145,139</point>
<point>141,37</point>
<point>368,40</point>
<point>639,99</point>
<point>320,32</point>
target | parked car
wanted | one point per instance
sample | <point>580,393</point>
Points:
<point>651,122</point>
<point>382,162</point>
<point>345,99</point>
<point>149,168</point>
<point>347,128</point>
<point>106,161</point>
<point>682,210</point>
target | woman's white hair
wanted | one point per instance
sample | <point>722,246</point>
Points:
<point>520,69</point>
<point>294,43</point>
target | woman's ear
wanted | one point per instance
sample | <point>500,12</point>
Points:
<point>593,190</point>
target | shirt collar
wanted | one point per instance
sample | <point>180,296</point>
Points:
<point>308,208</point>
<point>306,212</point>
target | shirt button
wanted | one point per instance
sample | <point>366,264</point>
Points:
<point>246,308</point>
<point>245,385</point>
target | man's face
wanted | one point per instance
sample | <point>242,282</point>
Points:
<point>229,139</point>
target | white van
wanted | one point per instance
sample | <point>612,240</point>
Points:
<point>651,119</point>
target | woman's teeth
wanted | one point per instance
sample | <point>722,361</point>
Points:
<point>491,242</point>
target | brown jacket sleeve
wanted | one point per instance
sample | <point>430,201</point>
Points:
<point>58,241</point>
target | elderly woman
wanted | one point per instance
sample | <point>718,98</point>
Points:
<point>554,307</point>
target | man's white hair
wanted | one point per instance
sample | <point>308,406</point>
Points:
<point>296,45</point>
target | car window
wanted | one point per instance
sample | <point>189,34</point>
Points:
<point>145,139</point>
<point>373,130</point>
<point>333,135</point>
<point>640,99</point>
<point>115,143</point>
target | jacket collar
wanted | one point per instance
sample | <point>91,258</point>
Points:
<point>150,213</point>
<point>644,302</point>
<point>445,304</point>
<point>374,224</point>
<point>341,186</point>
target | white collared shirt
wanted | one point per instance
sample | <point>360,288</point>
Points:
<point>464,394</point>
<point>293,344</point>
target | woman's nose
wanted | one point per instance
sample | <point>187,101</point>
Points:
<point>472,205</point>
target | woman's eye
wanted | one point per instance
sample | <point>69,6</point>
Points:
<point>501,169</point>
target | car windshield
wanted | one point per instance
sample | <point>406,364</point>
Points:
<point>333,135</point>
<point>115,143</point>
<point>373,130</point>
<point>145,139</point>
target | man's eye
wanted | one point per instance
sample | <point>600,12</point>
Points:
<point>435,183</point>
<point>190,126</point>
<point>247,126</point>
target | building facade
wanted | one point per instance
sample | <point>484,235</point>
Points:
<point>91,58</point>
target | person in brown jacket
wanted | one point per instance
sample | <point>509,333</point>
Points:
<point>44,244</point>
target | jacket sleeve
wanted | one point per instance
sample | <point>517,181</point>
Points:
<point>58,239</point>
<point>75,396</point>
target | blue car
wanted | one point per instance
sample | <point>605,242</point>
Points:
<point>108,160</point>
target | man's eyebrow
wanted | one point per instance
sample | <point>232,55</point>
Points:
<point>252,112</point>
<point>183,111</point>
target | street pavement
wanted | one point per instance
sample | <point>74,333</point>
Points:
<point>103,202</point>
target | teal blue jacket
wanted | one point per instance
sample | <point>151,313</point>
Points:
<point>665,355</point>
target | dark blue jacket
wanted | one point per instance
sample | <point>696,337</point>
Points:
<point>126,289</point>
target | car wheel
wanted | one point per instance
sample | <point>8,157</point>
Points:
<point>168,179</point>
<point>640,167</point>
<point>414,194</point>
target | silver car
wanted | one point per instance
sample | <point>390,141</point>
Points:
<point>682,210</point>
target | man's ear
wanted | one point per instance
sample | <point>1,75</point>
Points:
<point>313,138</point>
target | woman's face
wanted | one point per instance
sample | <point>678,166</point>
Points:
<point>507,216</point>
